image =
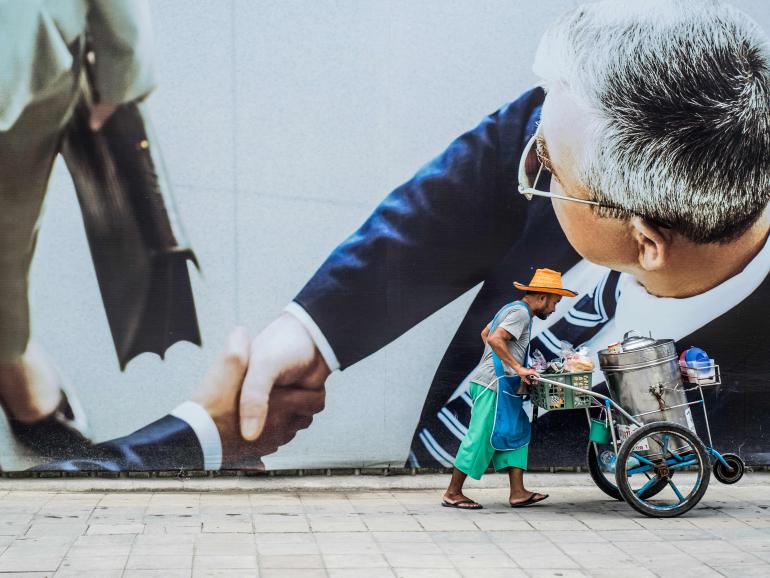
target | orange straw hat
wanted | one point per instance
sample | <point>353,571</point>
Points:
<point>545,281</point>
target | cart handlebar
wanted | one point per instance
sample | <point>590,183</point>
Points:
<point>590,392</point>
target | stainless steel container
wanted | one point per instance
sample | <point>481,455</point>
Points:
<point>644,379</point>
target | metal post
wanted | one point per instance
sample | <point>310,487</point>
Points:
<point>706,416</point>
<point>612,429</point>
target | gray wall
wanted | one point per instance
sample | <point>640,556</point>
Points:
<point>283,123</point>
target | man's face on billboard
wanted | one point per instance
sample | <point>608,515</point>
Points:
<point>660,258</point>
<point>606,241</point>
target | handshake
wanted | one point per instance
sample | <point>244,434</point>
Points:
<point>255,397</point>
<point>260,392</point>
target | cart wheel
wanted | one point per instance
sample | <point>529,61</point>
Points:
<point>733,473</point>
<point>604,476</point>
<point>662,450</point>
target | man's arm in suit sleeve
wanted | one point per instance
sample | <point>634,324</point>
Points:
<point>428,242</point>
<point>187,438</point>
<point>121,37</point>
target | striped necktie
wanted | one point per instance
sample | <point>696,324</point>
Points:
<point>440,437</point>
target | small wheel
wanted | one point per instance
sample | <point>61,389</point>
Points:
<point>598,459</point>
<point>662,450</point>
<point>733,473</point>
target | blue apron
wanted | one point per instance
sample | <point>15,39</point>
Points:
<point>511,429</point>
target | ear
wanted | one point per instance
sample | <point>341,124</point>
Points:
<point>653,243</point>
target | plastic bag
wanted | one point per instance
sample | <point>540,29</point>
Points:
<point>577,360</point>
<point>538,361</point>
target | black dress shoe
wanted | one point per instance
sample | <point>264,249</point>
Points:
<point>61,435</point>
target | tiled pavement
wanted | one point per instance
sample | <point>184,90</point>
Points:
<point>373,533</point>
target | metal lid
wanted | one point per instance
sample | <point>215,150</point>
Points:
<point>638,352</point>
<point>633,341</point>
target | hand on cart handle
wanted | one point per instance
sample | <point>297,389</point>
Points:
<point>528,375</point>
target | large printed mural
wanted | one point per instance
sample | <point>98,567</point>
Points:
<point>255,179</point>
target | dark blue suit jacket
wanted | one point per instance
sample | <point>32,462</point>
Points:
<point>459,222</point>
<point>166,444</point>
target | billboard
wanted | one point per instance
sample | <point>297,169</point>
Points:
<point>340,180</point>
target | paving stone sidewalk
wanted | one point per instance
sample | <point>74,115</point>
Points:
<point>369,533</point>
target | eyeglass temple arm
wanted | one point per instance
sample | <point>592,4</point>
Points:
<point>529,193</point>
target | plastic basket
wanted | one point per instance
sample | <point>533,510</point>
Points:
<point>701,373</point>
<point>552,397</point>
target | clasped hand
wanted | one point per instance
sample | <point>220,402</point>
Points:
<point>260,392</point>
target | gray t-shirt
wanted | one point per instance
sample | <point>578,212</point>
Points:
<point>515,320</point>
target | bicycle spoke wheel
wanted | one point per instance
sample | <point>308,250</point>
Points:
<point>662,455</point>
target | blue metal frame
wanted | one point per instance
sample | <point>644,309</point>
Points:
<point>715,454</point>
<point>677,462</point>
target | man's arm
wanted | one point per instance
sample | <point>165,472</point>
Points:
<point>485,334</point>
<point>498,342</point>
<point>429,241</point>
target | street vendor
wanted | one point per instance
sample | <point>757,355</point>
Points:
<point>499,429</point>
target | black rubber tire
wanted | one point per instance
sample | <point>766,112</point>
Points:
<point>607,486</point>
<point>621,479</point>
<point>735,473</point>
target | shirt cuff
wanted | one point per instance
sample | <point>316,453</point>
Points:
<point>205,430</point>
<point>296,310</point>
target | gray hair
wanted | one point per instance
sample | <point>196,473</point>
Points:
<point>678,95</point>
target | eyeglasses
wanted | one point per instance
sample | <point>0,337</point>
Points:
<point>531,167</point>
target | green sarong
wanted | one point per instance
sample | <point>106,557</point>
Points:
<point>476,451</point>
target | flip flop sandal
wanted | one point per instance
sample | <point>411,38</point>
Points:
<point>529,501</point>
<point>459,505</point>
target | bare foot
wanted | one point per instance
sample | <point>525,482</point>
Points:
<point>459,501</point>
<point>29,388</point>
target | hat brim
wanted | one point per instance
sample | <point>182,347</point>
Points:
<point>554,290</point>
